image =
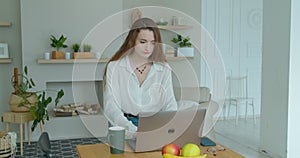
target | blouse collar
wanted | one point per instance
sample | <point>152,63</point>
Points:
<point>124,62</point>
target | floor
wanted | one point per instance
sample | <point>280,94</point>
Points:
<point>59,148</point>
<point>242,137</point>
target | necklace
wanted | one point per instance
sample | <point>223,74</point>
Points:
<point>141,70</point>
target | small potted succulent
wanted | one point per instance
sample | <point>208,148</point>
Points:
<point>25,99</point>
<point>58,44</point>
<point>87,48</point>
<point>184,46</point>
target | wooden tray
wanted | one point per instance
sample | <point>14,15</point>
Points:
<point>83,55</point>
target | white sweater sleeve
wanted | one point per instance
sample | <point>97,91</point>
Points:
<point>112,109</point>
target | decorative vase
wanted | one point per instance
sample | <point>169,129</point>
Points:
<point>16,100</point>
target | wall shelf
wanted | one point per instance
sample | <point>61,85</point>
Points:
<point>5,24</point>
<point>89,61</point>
<point>175,27</point>
<point>72,61</point>
<point>5,60</point>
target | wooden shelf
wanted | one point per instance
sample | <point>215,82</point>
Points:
<point>175,27</point>
<point>87,61</point>
<point>72,61</point>
<point>5,24</point>
<point>5,60</point>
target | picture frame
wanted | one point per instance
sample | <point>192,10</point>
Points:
<point>4,50</point>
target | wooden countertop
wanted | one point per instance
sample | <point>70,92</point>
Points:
<point>102,150</point>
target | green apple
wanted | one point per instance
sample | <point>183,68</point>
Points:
<point>190,150</point>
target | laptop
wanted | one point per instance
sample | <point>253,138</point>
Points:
<point>164,127</point>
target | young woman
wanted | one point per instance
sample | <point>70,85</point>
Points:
<point>137,78</point>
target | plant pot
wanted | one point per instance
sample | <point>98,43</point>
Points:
<point>83,55</point>
<point>57,55</point>
<point>15,101</point>
<point>185,52</point>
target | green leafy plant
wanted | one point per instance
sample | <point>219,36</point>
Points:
<point>24,89</point>
<point>76,47</point>
<point>58,43</point>
<point>182,41</point>
<point>40,113</point>
<point>87,48</point>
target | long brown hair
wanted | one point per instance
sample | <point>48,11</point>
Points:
<point>129,43</point>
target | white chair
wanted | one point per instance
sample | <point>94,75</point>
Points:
<point>237,95</point>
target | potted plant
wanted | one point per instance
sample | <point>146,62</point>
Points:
<point>76,47</point>
<point>184,46</point>
<point>25,99</point>
<point>87,48</point>
<point>22,98</point>
<point>86,54</point>
<point>58,44</point>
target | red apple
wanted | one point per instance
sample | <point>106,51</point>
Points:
<point>172,149</point>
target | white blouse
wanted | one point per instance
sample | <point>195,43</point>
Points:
<point>124,94</point>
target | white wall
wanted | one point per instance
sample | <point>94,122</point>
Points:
<point>74,19</point>
<point>275,77</point>
<point>294,86</point>
<point>9,12</point>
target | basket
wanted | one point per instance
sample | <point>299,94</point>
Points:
<point>7,144</point>
<point>15,100</point>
